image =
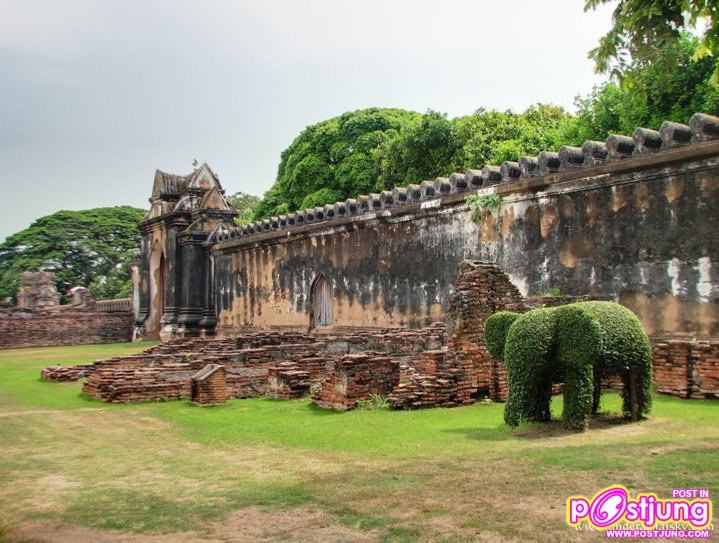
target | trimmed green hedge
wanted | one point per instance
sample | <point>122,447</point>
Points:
<point>495,332</point>
<point>575,344</point>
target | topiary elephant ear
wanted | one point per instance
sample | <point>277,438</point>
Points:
<point>579,337</point>
<point>495,332</point>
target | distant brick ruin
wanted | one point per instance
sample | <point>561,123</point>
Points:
<point>37,291</point>
<point>41,320</point>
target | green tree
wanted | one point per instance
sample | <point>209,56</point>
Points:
<point>90,248</point>
<point>643,29</point>
<point>320,198</point>
<point>424,150</point>
<point>672,88</point>
<point>334,159</point>
<point>491,137</point>
<point>245,204</point>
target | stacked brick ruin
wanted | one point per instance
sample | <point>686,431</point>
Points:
<point>414,368</point>
<point>481,290</point>
<point>438,379</point>
<point>463,371</point>
<point>165,371</point>
<point>287,380</point>
<point>280,364</point>
<point>209,386</point>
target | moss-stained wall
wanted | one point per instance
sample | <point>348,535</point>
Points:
<point>645,236</point>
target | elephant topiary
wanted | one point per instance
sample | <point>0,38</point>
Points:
<point>577,344</point>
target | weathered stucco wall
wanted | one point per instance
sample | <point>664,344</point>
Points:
<point>642,231</point>
<point>647,239</point>
<point>382,272</point>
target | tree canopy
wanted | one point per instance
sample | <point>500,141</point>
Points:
<point>245,204</point>
<point>333,159</point>
<point>672,88</point>
<point>643,29</point>
<point>375,149</point>
<point>90,248</point>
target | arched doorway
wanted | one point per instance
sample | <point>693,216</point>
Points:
<point>321,303</point>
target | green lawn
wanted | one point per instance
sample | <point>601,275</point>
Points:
<point>73,469</point>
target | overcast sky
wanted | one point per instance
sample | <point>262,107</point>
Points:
<point>95,95</point>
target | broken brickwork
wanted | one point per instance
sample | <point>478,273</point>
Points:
<point>287,381</point>
<point>481,290</point>
<point>281,364</point>
<point>356,377</point>
<point>438,379</point>
<point>687,368</point>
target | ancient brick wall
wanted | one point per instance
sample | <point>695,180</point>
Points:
<point>20,328</point>
<point>481,290</point>
<point>688,369</point>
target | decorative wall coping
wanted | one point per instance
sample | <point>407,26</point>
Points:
<point>117,305</point>
<point>646,148</point>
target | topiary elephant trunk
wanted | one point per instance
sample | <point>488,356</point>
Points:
<point>576,344</point>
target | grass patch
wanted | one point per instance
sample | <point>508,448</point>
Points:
<point>401,534</point>
<point>366,475</point>
<point>362,521</point>
<point>21,383</point>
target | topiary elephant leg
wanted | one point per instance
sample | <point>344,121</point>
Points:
<point>578,396</point>
<point>579,350</point>
<point>527,396</point>
<point>597,393</point>
<point>637,392</point>
<point>539,409</point>
<point>644,388</point>
<point>528,357</point>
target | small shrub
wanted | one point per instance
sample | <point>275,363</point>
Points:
<point>480,204</point>
<point>554,291</point>
<point>375,402</point>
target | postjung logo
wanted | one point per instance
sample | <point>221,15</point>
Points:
<point>613,507</point>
